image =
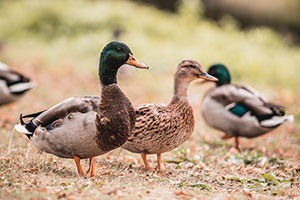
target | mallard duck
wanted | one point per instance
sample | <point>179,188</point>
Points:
<point>160,128</point>
<point>12,85</point>
<point>239,111</point>
<point>85,127</point>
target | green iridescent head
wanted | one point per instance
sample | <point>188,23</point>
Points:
<point>221,72</point>
<point>113,56</point>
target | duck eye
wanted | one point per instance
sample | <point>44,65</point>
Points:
<point>119,49</point>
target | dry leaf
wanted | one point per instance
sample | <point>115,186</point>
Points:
<point>248,194</point>
<point>106,173</point>
<point>41,189</point>
<point>181,192</point>
<point>99,166</point>
<point>32,170</point>
<point>7,190</point>
<point>158,175</point>
<point>113,191</point>
<point>63,195</point>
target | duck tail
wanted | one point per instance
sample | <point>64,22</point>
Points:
<point>22,129</point>
<point>289,118</point>
<point>29,127</point>
<point>276,121</point>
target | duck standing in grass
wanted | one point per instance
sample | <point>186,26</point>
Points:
<point>160,128</point>
<point>85,127</point>
<point>12,85</point>
<point>239,111</point>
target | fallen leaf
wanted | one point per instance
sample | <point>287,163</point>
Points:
<point>106,173</point>
<point>7,190</point>
<point>41,189</point>
<point>200,185</point>
<point>63,195</point>
<point>181,192</point>
<point>234,191</point>
<point>234,179</point>
<point>130,159</point>
<point>176,161</point>
<point>113,191</point>
<point>248,194</point>
<point>269,177</point>
<point>32,170</point>
<point>158,175</point>
<point>5,159</point>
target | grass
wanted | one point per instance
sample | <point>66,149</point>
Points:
<point>58,44</point>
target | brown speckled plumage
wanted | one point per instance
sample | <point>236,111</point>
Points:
<point>115,119</point>
<point>160,128</point>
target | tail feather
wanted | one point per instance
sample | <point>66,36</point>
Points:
<point>21,128</point>
<point>27,127</point>
<point>276,121</point>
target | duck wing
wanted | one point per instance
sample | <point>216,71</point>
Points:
<point>242,99</point>
<point>47,118</point>
<point>154,124</point>
<point>15,82</point>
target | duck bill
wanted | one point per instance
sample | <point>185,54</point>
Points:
<point>135,62</point>
<point>207,77</point>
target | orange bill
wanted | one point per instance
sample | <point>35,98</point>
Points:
<point>134,62</point>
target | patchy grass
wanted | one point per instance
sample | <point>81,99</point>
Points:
<point>204,167</point>
<point>201,168</point>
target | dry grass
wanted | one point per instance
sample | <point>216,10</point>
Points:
<point>203,167</point>
<point>61,55</point>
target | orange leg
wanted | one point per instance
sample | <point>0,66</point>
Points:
<point>79,168</point>
<point>225,137</point>
<point>146,162</point>
<point>236,140</point>
<point>91,170</point>
<point>158,167</point>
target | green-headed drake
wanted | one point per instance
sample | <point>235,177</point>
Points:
<point>159,127</point>
<point>13,85</point>
<point>85,127</point>
<point>239,111</point>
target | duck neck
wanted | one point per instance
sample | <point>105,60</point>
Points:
<point>108,72</point>
<point>180,88</point>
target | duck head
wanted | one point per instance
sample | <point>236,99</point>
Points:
<point>221,72</point>
<point>190,70</point>
<point>187,71</point>
<point>113,56</point>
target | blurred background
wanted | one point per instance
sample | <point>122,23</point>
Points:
<point>57,44</point>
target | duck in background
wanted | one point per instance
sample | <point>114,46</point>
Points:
<point>85,127</point>
<point>13,85</point>
<point>159,127</point>
<point>238,110</point>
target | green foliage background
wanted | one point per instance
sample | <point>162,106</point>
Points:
<point>57,30</point>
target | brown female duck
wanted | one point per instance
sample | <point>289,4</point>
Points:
<point>160,128</point>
